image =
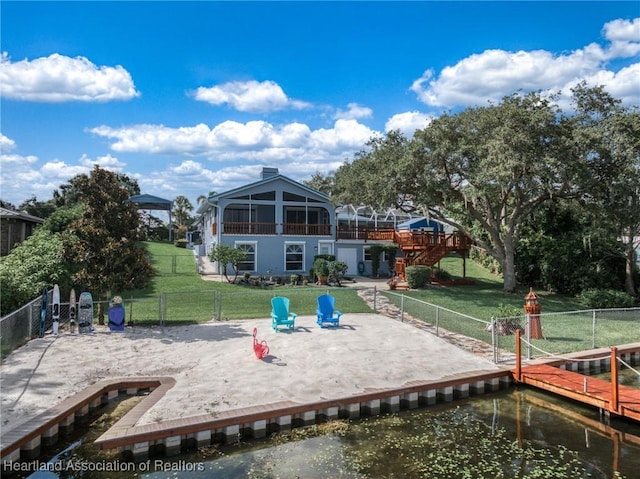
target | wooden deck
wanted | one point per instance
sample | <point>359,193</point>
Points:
<point>610,397</point>
<point>585,389</point>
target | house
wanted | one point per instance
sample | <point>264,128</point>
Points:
<point>281,224</point>
<point>15,227</point>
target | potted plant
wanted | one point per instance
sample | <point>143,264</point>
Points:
<point>321,270</point>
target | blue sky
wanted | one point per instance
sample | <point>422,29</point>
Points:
<point>193,97</point>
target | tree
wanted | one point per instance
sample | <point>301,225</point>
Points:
<point>101,244</point>
<point>608,138</point>
<point>225,255</point>
<point>321,183</point>
<point>35,263</point>
<point>41,209</point>
<point>181,209</point>
<point>565,247</point>
<point>69,193</point>
<point>482,171</point>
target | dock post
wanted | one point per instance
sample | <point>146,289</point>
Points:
<point>518,356</point>
<point>614,380</point>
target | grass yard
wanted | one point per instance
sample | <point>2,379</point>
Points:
<point>178,295</point>
<point>183,297</point>
<point>483,299</point>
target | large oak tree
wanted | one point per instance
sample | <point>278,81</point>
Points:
<point>481,170</point>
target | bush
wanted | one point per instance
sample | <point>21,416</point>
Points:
<point>181,243</point>
<point>337,269</point>
<point>605,298</point>
<point>417,276</point>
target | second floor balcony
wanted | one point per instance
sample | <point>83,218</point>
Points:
<point>294,229</point>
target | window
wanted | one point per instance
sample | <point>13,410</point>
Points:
<point>249,264</point>
<point>367,255</point>
<point>325,247</point>
<point>294,257</point>
<point>288,196</point>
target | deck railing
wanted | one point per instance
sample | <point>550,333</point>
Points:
<point>306,229</point>
<point>241,228</point>
<point>364,233</point>
<point>298,229</point>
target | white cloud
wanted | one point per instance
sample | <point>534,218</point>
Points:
<point>58,78</point>
<point>621,30</point>
<point>408,122</point>
<point>354,112</point>
<point>493,74</point>
<point>231,140</point>
<point>249,96</point>
<point>6,144</point>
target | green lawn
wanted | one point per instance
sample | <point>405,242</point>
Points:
<point>188,298</point>
<point>482,299</point>
<point>178,295</point>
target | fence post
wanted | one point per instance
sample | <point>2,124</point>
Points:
<point>30,319</point>
<point>219,293</point>
<point>161,309</point>
<point>528,328</point>
<point>375,308</point>
<point>437,321</point>
<point>402,308</point>
<point>494,339</point>
<point>593,330</point>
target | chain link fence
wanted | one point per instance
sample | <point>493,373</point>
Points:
<point>561,332</point>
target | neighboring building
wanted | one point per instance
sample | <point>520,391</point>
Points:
<point>280,223</point>
<point>15,227</point>
<point>426,225</point>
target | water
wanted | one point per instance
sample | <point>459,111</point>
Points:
<point>519,433</point>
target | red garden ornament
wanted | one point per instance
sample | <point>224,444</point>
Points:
<point>260,348</point>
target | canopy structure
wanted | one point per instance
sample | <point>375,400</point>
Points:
<point>150,202</point>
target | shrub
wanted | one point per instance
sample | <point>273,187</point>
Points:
<point>605,298</point>
<point>337,269</point>
<point>321,266</point>
<point>417,276</point>
<point>180,243</point>
<point>294,279</point>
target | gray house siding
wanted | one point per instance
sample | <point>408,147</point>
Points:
<point>280,223</point>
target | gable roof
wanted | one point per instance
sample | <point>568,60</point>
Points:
<point>150,202</point>
<point>7,214</point>
<point>264,181</point>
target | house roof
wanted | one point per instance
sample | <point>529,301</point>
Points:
<point>150,202</point>
<point>8,214</point>
<point>214,198</point>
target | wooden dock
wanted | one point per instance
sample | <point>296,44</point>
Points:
<point>610,397</point>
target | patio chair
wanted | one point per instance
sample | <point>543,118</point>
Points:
<point>326,312</point>
<point>280,314</point>
<point>116,317</point>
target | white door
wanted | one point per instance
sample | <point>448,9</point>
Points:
<point>349,256</point>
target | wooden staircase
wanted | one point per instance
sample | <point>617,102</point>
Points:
<point>427,248</point>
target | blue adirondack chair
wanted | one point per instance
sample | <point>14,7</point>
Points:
<point>280,314</point>
<point>116,317</point>
<point>326,312</point>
